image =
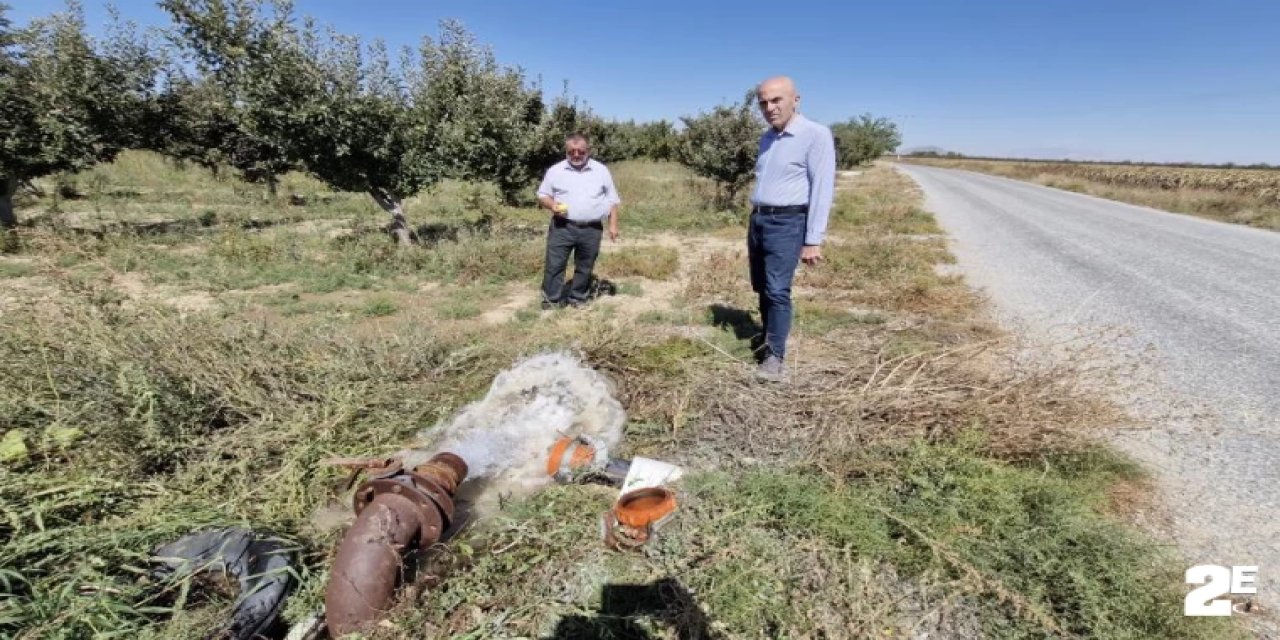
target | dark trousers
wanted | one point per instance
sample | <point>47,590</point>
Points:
<point>562,239</point>
<point>774,242</point>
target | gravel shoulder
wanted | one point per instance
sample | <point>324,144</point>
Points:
<point>1195,303</point>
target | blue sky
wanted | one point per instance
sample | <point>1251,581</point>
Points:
<point>1104,79</point>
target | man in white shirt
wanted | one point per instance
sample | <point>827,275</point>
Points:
<point>581,196</point>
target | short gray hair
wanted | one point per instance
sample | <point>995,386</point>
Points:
<point>576,136</point>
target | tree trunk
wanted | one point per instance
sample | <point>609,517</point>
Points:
<point>727,195</point>
<point>391,204</point>
<point>510,193</point>
<point>8,186</point>
<point>273,187</point>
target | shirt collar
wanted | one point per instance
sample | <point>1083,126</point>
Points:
<point>790,129</point>
<point>586,167</point>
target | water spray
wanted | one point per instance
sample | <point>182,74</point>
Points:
<point>407,502</point>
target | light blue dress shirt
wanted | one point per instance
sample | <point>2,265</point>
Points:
<point>798,166</point>
<point>589,192</point>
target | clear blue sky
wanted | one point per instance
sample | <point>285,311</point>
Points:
<point>1106,79</point>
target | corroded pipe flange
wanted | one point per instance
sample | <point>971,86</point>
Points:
<point>432,502</point>
<point>396,511</point>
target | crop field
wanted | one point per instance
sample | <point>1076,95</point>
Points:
<point>1243,196</point>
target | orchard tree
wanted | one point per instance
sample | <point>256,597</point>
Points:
<point>625,140</point>
<point>272,96</point>
<point>66,101</point>
<point>10,118</point>
<point>488,117</point>
<point>186,123</point>
<point>658,140</point>
<point>447,109</point>
<point>617,140</point>
<point>244,105</point>
<point>722,144</point>
<point>863,139</point>
<point>367,131</point>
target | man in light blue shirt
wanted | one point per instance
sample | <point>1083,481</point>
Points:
<point>581,196</point>
<point>795,179</point>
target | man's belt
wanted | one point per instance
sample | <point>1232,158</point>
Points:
<point>791,208</point>
<point>579,224</point>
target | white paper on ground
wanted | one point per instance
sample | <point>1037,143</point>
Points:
<point>646,472</point>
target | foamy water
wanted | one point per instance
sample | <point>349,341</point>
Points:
<point>505,437</point>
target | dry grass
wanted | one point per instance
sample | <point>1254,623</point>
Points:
<point>915,476</point>
<point>652,262</point>
<point>720,276</point>
<point>856,397</point>
<point>659,196</point>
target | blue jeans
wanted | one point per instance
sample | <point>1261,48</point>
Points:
<point>774,242</point>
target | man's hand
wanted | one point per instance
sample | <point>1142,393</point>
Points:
<point>811,254</point>
<point>613,224</point>
<point>550,204</point>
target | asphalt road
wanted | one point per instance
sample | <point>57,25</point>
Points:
<point>1197,305</point>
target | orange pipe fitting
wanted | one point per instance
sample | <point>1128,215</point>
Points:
<point>636,515</point>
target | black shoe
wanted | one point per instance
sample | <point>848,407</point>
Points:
<point>548,305</point>
<point>576,304</point>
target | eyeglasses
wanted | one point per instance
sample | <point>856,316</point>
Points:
<point>576,152</point>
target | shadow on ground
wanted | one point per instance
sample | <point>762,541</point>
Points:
<point>434,233</point>
<point>665,602</point>
<point>742,323</point>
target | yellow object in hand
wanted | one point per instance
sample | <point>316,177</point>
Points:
<point>562,207</point>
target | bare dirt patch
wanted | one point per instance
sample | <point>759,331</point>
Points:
<point>518,299</point>
<point>328,228</point>
<point>656,294</point>
<point>16,292</point>
<point>137,288</point>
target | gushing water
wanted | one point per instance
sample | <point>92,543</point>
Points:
<point>505,437</point>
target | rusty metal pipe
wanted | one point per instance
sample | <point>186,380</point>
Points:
<point>368,567</point>
<point>397,511</point>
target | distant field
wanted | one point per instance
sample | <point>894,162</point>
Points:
<point>1241,196</point>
